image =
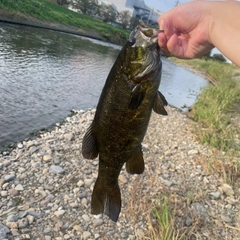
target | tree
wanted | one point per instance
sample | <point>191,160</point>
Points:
<point>62,2</point>
<point>89,7</point>
<point>207,55</point>
<point>124,18</point>
<point>219,57</point>
<point>133,22</point>
<point>108,13</point>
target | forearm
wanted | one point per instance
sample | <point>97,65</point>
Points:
<point>224,29</point>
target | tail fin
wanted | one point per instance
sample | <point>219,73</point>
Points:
<point>106,199</point>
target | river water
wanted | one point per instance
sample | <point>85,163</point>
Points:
<point>45,74</point>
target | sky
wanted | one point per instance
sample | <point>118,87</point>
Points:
<point>163,5</point>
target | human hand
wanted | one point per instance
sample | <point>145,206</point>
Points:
<point>186,30</point>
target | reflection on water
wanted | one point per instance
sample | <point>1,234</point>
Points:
<point>179,85</point>
<point>45,74</point>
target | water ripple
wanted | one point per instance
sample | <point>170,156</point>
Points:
<point>45,74</point>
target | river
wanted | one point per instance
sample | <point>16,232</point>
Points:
<point>45,74</point>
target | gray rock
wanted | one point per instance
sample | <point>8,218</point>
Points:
<point>4,193</point>
<point>23,223</point>
<point>35,214</point>
<point>88,182</point>
<point>3,231</point>
<point>97,222</point>
<point>226,219</point>
<point>47,230</point>
<point>32,150</point>
<point>82,195</point>
<point>215,195</point>
<point>166,182</point>
<point>74,205</point>
<point>9,177</point>
<point>86,235</point>
<point>59,213</point>
<point>86,218</point>
<point>200,210</point>
<point>188,221</point>
<point>19,187</point>
<point>56,169</point>
<point>22,214</point>
<point>6,163</point>
<point>12,218</point>
<point>56,160</point>
<point>124,235</point>
<point>50,197</point>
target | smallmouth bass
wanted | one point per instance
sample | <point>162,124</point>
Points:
<point>122,116</point>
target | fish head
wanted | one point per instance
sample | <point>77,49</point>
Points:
<point>142,53</point>
<point>144,36</point>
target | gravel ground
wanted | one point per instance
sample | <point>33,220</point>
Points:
<point>46,186</point>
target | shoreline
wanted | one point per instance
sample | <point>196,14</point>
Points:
<point>8,148</point>
<point>204,75</point>
<point>46,184</point>
<point>54,27</point>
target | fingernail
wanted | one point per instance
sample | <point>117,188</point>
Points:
<point>161,26</point>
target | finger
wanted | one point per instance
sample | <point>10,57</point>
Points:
<point>176,46</point>
<point>162,42</point>
<point>167,26</point>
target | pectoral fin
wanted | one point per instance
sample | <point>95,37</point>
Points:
<point>159,103</point>
<point>89,145</point>
<point>135,165</point>
<point>137,97</point>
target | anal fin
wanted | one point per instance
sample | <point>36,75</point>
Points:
<point>135,165</point>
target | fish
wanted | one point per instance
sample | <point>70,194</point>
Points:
<point>122,115</point>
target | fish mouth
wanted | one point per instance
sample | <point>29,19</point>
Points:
<point>147,33</point>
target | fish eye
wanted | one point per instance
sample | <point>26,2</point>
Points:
<point>132,42</point>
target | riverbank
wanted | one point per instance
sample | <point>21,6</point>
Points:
<point>217,107</point>
<point>46,187</point>
<point>52,26</point>
<point>45,14</point>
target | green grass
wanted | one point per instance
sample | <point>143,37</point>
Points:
<point>219,71</point>
<point>164,228</point>
<point>215,105</point>
<point>50,12</point>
